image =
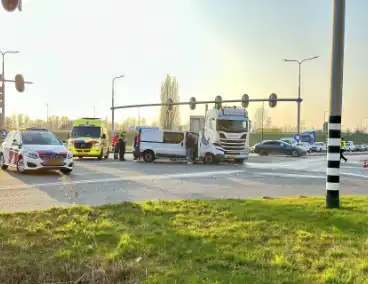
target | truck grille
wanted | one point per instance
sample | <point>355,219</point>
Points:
<point>232,146</point>
<point>82,145</point>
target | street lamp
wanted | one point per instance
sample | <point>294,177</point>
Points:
<point>112,104</point>
<point>299,79</point>
<point>3,83</point>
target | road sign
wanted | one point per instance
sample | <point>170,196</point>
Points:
<point>3,133</point>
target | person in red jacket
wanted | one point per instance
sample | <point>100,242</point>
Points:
<point>113,144</point>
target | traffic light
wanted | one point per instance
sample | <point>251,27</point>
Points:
<point>273,100</point>
<point>169,103</point>
<point>218,101</point>
<point>245,101</point>
<point>192,103</point>
<point>11,5</point>
<point>19,83</point>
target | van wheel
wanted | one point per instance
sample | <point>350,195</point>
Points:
<point>148,156</point>
<point>239,161</point>
<point>209,159</point>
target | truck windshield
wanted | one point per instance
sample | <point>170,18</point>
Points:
<point>86,131</point>
<point>232,125</point>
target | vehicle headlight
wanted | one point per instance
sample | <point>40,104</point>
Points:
<point>97,144</point>
<point>70,143</point>
<point>32,155</point>
<point>69,155</point>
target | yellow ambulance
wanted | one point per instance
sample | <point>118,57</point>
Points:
<point>89,139</point>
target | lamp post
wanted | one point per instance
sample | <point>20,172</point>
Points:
<point>113,104</point>
<point>299,82</point>
<point>3,54</point>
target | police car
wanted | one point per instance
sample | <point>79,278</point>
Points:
<point>35,149</point>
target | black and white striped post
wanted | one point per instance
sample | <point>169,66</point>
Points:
<point>334,122</point>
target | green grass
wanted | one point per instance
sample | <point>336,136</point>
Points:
<point>224,241</point>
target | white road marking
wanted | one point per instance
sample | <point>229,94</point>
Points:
<point>292,175</point>
<point>128,178</point>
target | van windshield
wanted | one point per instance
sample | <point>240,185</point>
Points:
<point>86,131</point>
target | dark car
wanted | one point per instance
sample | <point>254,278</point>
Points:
<point>275,147</point>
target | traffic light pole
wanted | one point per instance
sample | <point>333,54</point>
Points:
<point>3,117</point>
<point>19,82</point>
<point>334,122</point>
<point>203,102</point>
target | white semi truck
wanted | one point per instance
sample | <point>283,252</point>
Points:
<point>227,127</point>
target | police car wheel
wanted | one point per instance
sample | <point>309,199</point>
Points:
<point>2,162</point>
<point>21,166</point>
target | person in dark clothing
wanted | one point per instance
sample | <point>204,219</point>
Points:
<point>122,145</point>
<point>342,150</point>
<point>190,146</point>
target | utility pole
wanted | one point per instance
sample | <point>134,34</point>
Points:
<point>334,123</point>
<point>94,111</point>
<point>139,116</point>
<point>262,120</point>
<point>299,101</point>
<point>113,105</point>
<point>3,116</point>
<point>47,116</point>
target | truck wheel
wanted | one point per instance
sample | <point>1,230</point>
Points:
<point>209,159</point>
<point>148,156</point>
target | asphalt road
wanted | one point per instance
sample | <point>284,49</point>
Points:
<point>96,182</point>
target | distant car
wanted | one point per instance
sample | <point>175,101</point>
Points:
<point>305,145</point>
<point>276,147</point>
<point>350,147</point>
<point>359,148</point>
<point>318,147</point>
<point>35,149</point>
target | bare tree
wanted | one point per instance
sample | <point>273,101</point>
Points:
<point>257,121</point>
<point>169,119</point>
<point>129,123</point>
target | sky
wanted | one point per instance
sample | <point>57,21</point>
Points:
<point>72,49</point>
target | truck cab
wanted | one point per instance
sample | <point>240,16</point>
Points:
<point>89,139</point>
<point>229,128</point>
<point>154,143</point>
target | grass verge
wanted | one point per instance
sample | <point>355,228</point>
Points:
<point>224,241</point>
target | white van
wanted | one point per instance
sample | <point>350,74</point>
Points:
<point>153,143</point>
